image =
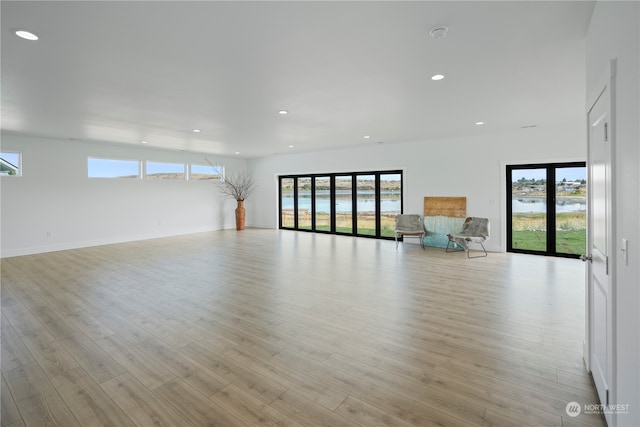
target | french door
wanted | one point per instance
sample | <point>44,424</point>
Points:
<point>354,203</point>
<point>546,209</point>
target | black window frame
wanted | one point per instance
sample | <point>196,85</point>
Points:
<point>332,200</point>
<point>551,207</point>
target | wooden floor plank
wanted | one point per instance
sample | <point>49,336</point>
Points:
<point>250,410</point>
<point>52,357</point>
<point>88,324</point>
<point>98,363</point>
<point>493,419</point>
<point>307,413</point>
<point>139,403</point>
<point>282,328</point>
<point>242,376</point>
<point>365,414</point>
<point>13,351</point>
<point>172,360</point>
<point>126,329</point>
<point>160,330</point>
<point>427,394</point>
<point>193,408</point>
<point>319,390</point>
<point>9,413</point>
<point>37,400</point>
<point>90,404</point>
<point>16,313</point>
<point>138,363</point>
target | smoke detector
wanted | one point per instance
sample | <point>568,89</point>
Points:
<point>438,32</point>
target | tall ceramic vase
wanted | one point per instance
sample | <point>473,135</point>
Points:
<point>240,213</point>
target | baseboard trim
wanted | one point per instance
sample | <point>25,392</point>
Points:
<point>32,250</point>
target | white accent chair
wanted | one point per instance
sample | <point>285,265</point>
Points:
<point>409,225</point>
<point>474,230</point>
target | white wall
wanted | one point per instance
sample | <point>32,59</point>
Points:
<point>614,33</point>
<point>469,166</point>
<point>54,205</point>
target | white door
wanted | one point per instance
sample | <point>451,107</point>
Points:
<point>599,245</point>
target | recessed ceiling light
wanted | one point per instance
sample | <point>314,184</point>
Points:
<point>479,123</point>
<point>291,146</point>
<point>196,130</point>
<point>366,137</point>
<point>144,142</point>
<point>26,35</point>
<point>283,112</point>
<point>237,152</point>
<point>437,77</point>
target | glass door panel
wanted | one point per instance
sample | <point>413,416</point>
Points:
<point>323,209</point>
<point>287,207</point>
<point>354,203</point>
<point>529,209</point>
<point>344,204</point>
<point>366,205</point>
<point>304,203</point>
<point>390,202</point>
<point>571,210</point>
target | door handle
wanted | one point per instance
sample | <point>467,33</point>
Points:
<point>586,258</point>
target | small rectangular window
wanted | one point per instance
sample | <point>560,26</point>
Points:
<point>205,172</point>
<point>112,168</point>
<point>10,164</point>
<point>157,170</point>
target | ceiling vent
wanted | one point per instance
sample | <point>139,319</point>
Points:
<point>438,32</point>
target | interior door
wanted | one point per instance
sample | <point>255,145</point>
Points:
<point>599,246</point>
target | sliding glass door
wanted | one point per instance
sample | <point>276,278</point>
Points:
<point>547,209</point>
<point>304,202</point>
<point>529,214</point>
<point>571,210</point>
<point>323,208</point>
<point>366,205</point>
<point>344,204</point>
<point>390,202</point>
<point>287,202</point>
<point>354,203</point>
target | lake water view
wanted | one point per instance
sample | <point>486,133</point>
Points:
<point>390,203</point>
<point>539,205</point>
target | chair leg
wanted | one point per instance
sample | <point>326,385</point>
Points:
<point>454,247</point>
<point>421,237</point>
<point>478,256</point>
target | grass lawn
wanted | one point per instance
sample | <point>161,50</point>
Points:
<point>568,242</point>
<point>530,232</point>
<point>366,223</point>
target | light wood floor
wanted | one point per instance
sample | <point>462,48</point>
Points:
<point>266,327</point>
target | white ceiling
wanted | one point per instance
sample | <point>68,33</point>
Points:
<point>131,71</point>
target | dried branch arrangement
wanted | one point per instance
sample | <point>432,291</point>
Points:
<point>239,185</point>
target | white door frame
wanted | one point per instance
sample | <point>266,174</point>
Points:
<point>607,81</point>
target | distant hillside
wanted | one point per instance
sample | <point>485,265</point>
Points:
<point>164,176</point>
<point>362,185</point>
